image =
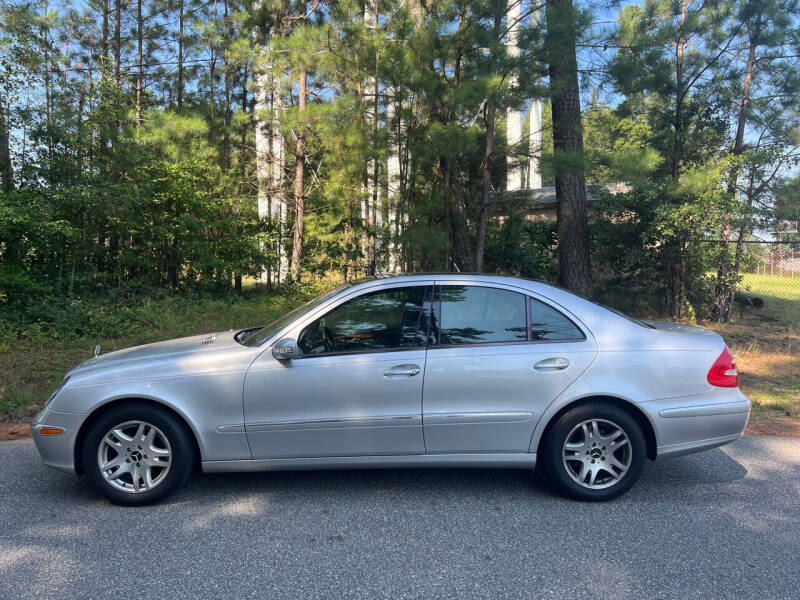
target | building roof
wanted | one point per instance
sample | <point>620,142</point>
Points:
<point>544,197</point>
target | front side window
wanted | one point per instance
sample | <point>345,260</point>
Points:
<point>549,324</point>
<point>474,314</point>
<point>382,320</point>
<point>261,334</point>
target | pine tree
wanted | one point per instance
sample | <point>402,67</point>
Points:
<point>563,23</point>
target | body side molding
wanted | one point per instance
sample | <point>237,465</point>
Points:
<point>478,461</point>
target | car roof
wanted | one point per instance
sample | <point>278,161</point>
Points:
<point>447,276</point>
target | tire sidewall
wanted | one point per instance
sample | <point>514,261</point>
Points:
<point>181,462</point>
<point>556,437</point>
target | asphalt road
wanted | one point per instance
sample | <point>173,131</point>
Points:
<point>722,524</point>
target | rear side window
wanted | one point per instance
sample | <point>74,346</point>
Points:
<point>474,314</point>
<point>378,321</point>
<point>549,324</point>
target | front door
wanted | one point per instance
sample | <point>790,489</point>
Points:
<point>500,359</point>
<point>357,388</point>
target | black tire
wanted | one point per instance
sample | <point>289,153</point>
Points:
<point>173,429</point>
<point>558,472</point>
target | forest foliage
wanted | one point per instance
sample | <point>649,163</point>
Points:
<point>131,138</point>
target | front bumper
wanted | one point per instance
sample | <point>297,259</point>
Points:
<point>694,423</point>
<point>57,451</point>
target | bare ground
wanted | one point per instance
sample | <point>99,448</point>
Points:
<point>14,431</point>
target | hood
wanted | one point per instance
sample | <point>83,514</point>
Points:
<point>219,342</point>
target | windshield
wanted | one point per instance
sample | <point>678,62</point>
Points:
<point>261,334</point>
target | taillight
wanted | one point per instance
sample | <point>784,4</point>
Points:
<point>723,372</point>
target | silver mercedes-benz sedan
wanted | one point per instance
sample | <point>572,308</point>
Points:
<point>447,370</point>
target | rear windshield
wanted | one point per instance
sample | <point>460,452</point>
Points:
<point>639,322</point>
<point>623,315</point>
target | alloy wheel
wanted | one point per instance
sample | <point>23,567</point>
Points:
<point>597,453</point>
<point>134,456</point>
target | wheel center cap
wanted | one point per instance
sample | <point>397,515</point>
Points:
<point>596,453</point>
<point>136,456</point>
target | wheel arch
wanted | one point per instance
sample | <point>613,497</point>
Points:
<point>107,407</point>
<point>629,407</point>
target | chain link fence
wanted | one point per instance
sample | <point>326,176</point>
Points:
<point>770,281</point>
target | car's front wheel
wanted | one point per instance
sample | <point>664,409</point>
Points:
<point>594,452</point>
<point>137,454</point>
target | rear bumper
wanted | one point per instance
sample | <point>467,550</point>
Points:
<point>57,451</point>
<point>695,423</point>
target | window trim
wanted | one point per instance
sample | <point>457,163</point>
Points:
<point>437,302</point>
<point>432,295</point>
<point>574,324</point>
<point>427,291</point>
<point>360,352</point>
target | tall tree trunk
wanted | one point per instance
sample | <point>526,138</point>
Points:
<point>375,223</point>
<point>278,204</point>
<point>488,149</point>
<point>180,56</point>
<point>243,154</point>
<point>102,130</point>
<point>104,33</point>
<point>373,212</point>
<point>463,251</point>
<point>573,233</point>
<point>722,292</point>
<point>48,97</point>
<point>212,70</point>
<point>80,147</point>
<point>680,95</point>
<point>117,38</point>
<point>114,237</point>
<point>460,253</point>
<point>513,115</point>
<point>534,178</point>
<point>6,168</point>
<point>226,115</point>
<point>676,249</point>
<point>486,168</point>
<point>139,61</point>
<point>268,159</point>
<point>744,228</point>
<point>394,181</point>
<point>245,126</point>
<point>367,101</point>
<point>299,192</point>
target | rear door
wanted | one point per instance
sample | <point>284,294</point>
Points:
<point>500,357</point>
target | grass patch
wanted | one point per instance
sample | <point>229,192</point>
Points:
<point>16,401</point>
<point>768,359</point>
<point>34,358</point>
<point>766,344</point>
<point>781,297</point>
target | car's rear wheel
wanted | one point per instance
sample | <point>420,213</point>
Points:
<point>594,452</point>
<point>137,454</point>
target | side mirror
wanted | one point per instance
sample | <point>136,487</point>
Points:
<point>285,349</point>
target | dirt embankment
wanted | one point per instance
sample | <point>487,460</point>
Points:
<point>785,428</point>
<point>14,431</point>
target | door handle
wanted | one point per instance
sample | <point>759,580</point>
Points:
<point>402,370</point>
<point>552,364</point>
